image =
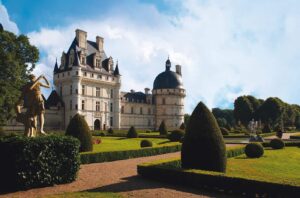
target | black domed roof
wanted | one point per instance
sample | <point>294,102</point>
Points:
<point>168,79</point>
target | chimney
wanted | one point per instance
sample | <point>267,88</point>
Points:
<point>132,91</point>
<point>178,69</point>
<point>147,91</point>
<point>99,41</point>
<point>81,38</point>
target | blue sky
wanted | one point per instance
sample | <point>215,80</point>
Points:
<point>226,48</point>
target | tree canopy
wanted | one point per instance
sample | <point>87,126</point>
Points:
<point>17,60</point>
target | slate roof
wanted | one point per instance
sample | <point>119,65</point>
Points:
<point>53,100</point>
<point>135,97</point>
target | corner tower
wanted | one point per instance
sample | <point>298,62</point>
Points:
<point>169,94</point>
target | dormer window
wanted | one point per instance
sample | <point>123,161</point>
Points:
<point>98,63</point>
<point>83,60</point>
<point>71,58</point>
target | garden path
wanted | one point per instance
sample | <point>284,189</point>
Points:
<point>119,177</point>
<point>284,135</point>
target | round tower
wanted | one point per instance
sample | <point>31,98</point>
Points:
<point>168,93</point>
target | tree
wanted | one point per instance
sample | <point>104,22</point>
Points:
<point>203,146</point>
<point>163,128</point>
<point>270,111</point>
<point>186,119</point>
<point>243,110</point>
<point>132,133</point>
<point>17,60</point>
<point>226,114</point>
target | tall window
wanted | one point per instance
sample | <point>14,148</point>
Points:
<point>111,93</point>
<point>141,110</point>
<point>132,110</point>
<point>163,101</point>
<point>149,111</point>
<point>122,109</point>
<point>111,107</point>
<point>82,104</point>
<point>83,60</point>
<point>71,105</point>
<point>76,106</point>
<point>111,121</point>
<point>61,90</point>
<point>97,106</point>
<point>105,107</point>
<point>98,63</point>
<point>97,91</point>
<point>83,89</point>
<point>71,89</point>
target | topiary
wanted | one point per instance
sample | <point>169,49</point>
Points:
<point>203,146</point>
<point>132,133</point>
<point>163,128</point>
<point>224,131</point>
<point>277,143</point>
<point>254,150</point>
<point>182,126</point>
<point>110,131</point>
<point>146,143</point>
<point>267,128</point>
<point>79,129</point>
<point>176,135</point>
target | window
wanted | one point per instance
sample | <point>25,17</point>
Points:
<point>122,109</point>
<point>63,75</point>
<point>76,91</point>
<point>57,75</point>
<point>71,89</point>
<point>97,106</point>
<point>111,121</point>
<point>111,93</point>
<point>85,74</point>
<point>132,110</point>
<point>83,60</point>
<point>141,110</point>
<point>83,89</point>
<point>92,75</point>
<point>149,111</point>
<point>82,104</point>
<point>61,90</point>
<point>68,73</point>
<point>111,107</point>
<point>149,122</point>
<point>77,73</point>
<point>98,63</point>
<point>99,76</point>
<point>163,101</point>
<point>70,104</point>
<point>76,106</point>
<point>105,107</point>
<point>97,91</point>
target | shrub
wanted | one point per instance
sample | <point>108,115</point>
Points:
<point>110,131</point>
<point>146,143</point>
<point>163,128</point>
<point>132,133</point>
<point>79,129</point>
<point>176,135</point>
<point>267,128</point>
<point>277,143</point>
<point>224,131</point>
<point>203,146</point>
<point>148,131</point>
<point>254,150</point>
<point>182,126</point>
<point>102,134</point>
<point>37,162</point>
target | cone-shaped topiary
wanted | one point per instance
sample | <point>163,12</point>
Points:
<point>163,128</point>
<point>79,129</point>
<point>203,146</point>
<point>182,126</point>
<point>132,133</point>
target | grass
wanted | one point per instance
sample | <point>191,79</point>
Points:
<point>86,195</point>
<point>120,143</point>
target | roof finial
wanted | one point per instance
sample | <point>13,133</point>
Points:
<point>168,64</point>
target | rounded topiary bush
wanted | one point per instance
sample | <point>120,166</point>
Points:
<point>132,133</point>
<point>146,143</point>
<point>224,131</point>
<point>203,146</point>
<point>163,128</point>
<point>110,131</point>
<point>254,150</point>
<point>176,135</point>
<point>277,143</point>
<point>79,129</point>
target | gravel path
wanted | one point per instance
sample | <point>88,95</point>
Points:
<point>120,177</point>
<point>285,136</point>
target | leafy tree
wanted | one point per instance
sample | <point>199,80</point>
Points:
<point>221,122</point>
<point>271,110</point>
<point>243,110</point>
<point>17,60</point>
<point>186,119</point>
<point>226,114</point>
<point>203,146</point>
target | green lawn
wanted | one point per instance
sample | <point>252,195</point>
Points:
<point>280,166</point>
<point>120,143</point>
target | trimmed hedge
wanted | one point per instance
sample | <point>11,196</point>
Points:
<point>163,128</point>
<point>132,133</point>
<point>146,143</point>
<point>168,171</point>
<point>176,135</point>
<point>87,158</point>
<point>36,162</point>
<point>277,143</point>
<point>254,150</point>
<point>295,137</point>
<point>267,144</point>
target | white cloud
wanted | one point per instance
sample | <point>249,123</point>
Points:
<point>225,48</point>
<point>6,22</point>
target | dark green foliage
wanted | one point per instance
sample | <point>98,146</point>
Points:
<point>271,110</point>
<point>163,128</point>
<point>297,122</point>
<point>226,114</point>
<point>203,146</point>
<point>110,131</point>
<point>146,143</point>
<point>243,110</point>
<point>254,150</point>
<point>182,126</point>
<point>277,143</point>
<point>266,128</point>
<point>35,162</point>
<point>132,133</point>
<point>176,135</point>
<point>224,131</point>
<point>87,158</point>
<point>17,60</point>
<point>186,119</point>
<point>79,129</point>
<point>221,122</point>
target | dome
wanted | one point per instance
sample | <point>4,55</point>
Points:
<point>168,80</point>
